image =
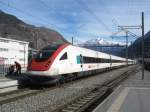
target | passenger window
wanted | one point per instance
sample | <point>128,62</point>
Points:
<point>64,56</point>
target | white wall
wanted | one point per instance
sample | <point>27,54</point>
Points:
<point>13,50</point>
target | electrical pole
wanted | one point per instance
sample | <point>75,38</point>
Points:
<point>72,40</point>
<point>126,37</point>
<point>126,47</point>
<point>37,40</point>
<point>142,38</point>
<point>125,28</point>
<point>131,55</point>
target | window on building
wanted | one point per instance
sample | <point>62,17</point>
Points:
<point>5,41</point>
<point>21,59</point>
<point>5,59</point>
<point>64,56</point>
<point>21,43</point>
<point>3,49</point>
<point>22,51</point>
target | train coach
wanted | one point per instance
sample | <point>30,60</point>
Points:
<point>57,61</point>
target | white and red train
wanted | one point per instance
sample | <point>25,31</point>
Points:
<point>57,61</point>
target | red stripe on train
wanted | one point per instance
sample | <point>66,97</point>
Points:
<point>41,66</point>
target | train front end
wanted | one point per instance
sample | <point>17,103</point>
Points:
<point>41,69</point>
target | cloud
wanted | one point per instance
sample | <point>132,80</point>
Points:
<point>83,19</point>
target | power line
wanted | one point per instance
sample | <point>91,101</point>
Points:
<point>17,9</point>
<point>78,27</point>
<point>26,13</point>
<point>126,29</point>
<point>93,14</point>
<point>44,4</point>
<point>114,20</point>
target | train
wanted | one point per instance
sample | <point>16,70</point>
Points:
<point>62,61</point>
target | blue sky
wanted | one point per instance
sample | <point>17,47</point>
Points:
<point>82,19</point>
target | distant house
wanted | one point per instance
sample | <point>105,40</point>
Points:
<point>13,50</point>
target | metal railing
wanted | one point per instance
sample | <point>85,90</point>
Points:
<point>4,68</point>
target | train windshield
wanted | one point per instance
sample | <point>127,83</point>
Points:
<point>47,52</point>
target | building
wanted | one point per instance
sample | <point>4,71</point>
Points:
<point>13,50</point>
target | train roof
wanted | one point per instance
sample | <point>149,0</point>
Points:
<point>101,52</point>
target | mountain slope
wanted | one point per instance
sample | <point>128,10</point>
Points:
<point>135,48</point>
<point>12,27</point>
<point>103,42</point>
<point>103,45</point>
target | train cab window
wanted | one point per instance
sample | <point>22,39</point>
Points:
<point>46,52</point>
<point>64,56</point>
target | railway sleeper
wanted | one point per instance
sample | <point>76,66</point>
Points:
<point>65,110</point>
<point>104,90</point>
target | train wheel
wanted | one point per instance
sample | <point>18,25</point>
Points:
<point>62,80</point>
<point>75,75</point>
<point>57,82</point>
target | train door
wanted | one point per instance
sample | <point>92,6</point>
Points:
<point>110,62</point>
<point>80,61</point>
<point>65,63</point>
<point>97,62</point>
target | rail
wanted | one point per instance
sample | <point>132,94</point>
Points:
<point>30,96</point>
<point>88,101</point>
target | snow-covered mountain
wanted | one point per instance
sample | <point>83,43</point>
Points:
<point>101,41</point>
<point>115,48</point>
<point>97,41</point>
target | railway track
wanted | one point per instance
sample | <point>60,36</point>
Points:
<point>8,89</point>
<point>7,85</point>
<point>26,92</point>
<point>17,94</point>
<point>13,96</point>
<point>89,101</point>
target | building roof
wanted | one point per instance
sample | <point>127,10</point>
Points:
<point>13,40</point>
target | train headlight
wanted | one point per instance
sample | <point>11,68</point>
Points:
<point>48,63</point>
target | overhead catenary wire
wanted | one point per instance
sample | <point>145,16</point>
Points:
<point>114,20</point>
<point>78,27</point>
<point>125,29</point>
<point>54,25</point>
<point>29,14</point>
<point>86,8</point>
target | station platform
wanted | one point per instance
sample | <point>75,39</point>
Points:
<point>9,83</point>
<point>4,82</point>
<point>133,95</point>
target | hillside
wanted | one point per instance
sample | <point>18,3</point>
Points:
<point>12,27</point>
<point>102,45</point>
<point>135,48</point>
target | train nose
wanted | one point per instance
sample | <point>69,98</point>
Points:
<point>39,66</point>
<point>48,63</point>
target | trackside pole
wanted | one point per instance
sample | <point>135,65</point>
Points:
<point>142,38</point>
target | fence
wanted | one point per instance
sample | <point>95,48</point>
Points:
<point>4,67</point>
<point>4,70</point>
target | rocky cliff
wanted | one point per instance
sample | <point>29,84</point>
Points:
<point>12,27</point>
